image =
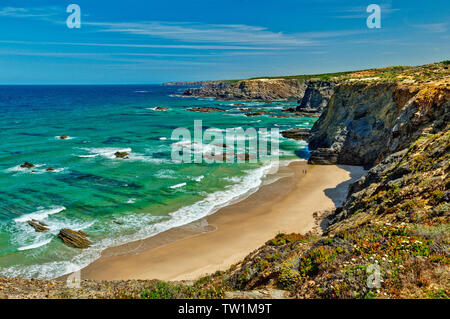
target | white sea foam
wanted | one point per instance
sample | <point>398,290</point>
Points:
<point>40,214</point>
<point>234,179</point>
<point>178,185</point>
<point>198,179</point>
<point>109,153</point>
<point>165,173</point>
<point>89,156</point>
<point>35,245</point>
<point>19,169</point>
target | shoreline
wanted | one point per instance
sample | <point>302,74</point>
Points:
<point>219,240</point>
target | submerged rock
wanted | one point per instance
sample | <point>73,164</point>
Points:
<point>77,239</point>
<point>38,225</point>
<point>121,155</point>
<point>206,109</point>
<point>254,114</point>
<point>27,165</point>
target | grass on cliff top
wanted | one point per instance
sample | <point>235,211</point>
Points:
<point>417,73</point>
<point>303,77</point>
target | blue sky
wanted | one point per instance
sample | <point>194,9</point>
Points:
<point>127,42</point>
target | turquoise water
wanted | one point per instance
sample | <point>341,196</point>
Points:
<point>113,200</point>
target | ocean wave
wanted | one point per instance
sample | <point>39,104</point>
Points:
<point>40,214</point>
<point>198,179</point>
<point>178,185</point>
<point>109,153</point>
<point>19,169</point>
<point>35,245</point>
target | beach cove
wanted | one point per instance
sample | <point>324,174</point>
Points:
<point>222,239</point>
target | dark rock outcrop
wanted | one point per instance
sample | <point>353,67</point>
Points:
<point>297,134</point>
<point>27,165</point>
<point>77,239</point>
<point>38,225</point>
<point>123,155</point>
<point>316,97</point>
<point>206,109</point>
<point>63,137</point>
<point>254,114</point>
<point>207,90</point>
<point>187,83</point>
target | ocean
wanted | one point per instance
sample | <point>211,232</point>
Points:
<point>113,200</point>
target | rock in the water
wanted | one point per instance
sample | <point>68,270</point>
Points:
<point>121,155</point>
<point>254,114</point>
<point>38,225</point>
<point>27,165</point>
<point>160,108</point>
<point>63,137</point>
<point>297,134</point>
<point>77,239</point>
<point>206,109</point>
<point>50,169</point>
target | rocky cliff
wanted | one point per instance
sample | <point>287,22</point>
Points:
<point>187,83</point>
<point>257,89</point>
<point>316,96</point>
<point>366,121</point>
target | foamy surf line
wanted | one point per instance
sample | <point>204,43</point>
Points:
<point>40,214</point>
<point>36,245</point>
<point>213,202</point>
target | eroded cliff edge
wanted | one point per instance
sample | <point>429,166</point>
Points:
<point>255,89</point>
<point>366,121</point>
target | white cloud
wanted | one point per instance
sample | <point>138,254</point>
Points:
<point>360,12</point>
<point>14,12</point>
<point>204,33</point>
<point>148,46</point>
<point>433,27</point>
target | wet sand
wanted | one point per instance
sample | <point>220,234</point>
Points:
<point>224,238</point>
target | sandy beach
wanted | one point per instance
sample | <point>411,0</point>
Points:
<point>222,239</point>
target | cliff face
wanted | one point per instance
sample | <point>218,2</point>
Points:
<point>258,89</point>
<point>187,83</point>
<point>316,97</point>
<point>366,121</point>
